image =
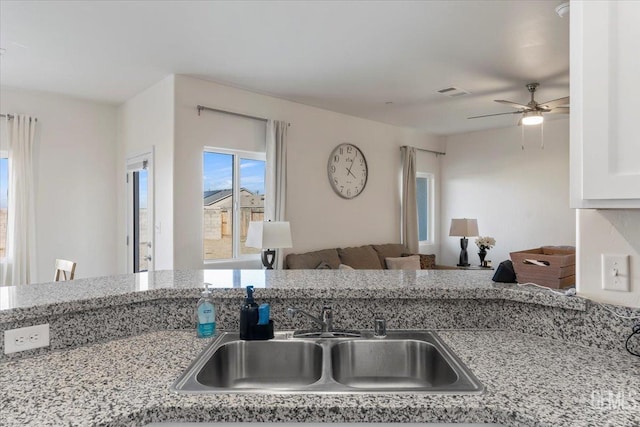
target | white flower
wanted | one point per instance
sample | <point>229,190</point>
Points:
<point>485,242</point>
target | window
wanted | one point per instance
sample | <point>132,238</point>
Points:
<point>233,196</point>
<point>4,202</point>
<point>424,200</point>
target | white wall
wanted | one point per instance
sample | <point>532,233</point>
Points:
<point>75,180</point>
<point>611,231</point>
<point>146,121</point>
<point>520,197</point>
<point>319,218</point>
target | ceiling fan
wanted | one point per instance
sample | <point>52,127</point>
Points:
<point>532,113</point>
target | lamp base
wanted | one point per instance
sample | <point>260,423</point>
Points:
<point>268,258</point>
<point>463,261</point>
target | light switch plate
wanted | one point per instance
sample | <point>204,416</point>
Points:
<point>615,272</point>
<point>28,338</point>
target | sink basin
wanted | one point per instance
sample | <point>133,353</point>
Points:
<point>403,362</point>
<point>391,365</point>
<point>263,364</point>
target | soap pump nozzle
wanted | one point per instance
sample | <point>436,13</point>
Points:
<point>249,298</point>
<point>206,292</point>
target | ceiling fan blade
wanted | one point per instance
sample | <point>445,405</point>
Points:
<point>555,103</point>
<point>559,110</point>
<point>512,104</point>
<point>499,114</point>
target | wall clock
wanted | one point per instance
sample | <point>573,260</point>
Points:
<point>347,169</point>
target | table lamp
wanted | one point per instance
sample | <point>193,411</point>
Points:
<point>269,235</point>
<point>463,227</point>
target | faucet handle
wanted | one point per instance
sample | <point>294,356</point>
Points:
<point>327,318</point>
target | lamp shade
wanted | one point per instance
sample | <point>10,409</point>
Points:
<point>269,235</point>
<point>463,227</point>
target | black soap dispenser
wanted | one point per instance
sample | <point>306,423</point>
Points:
<point>248,315</point>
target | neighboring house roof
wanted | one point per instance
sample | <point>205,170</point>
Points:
<point>214,196</point>
<point>211,197</point>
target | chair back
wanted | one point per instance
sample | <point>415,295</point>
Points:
<point>65,270</point>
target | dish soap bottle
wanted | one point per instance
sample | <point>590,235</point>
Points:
<point>248,315</point>
<point>206,315</point>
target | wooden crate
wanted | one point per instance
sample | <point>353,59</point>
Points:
<point>559,270</point>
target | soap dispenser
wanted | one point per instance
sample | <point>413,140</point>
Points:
<point>206,315</point>
<point>248,315</point>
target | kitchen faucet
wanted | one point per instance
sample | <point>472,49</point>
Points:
<point>326,320</point>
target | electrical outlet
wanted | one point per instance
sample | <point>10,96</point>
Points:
<point>28,338</point>
<point>615,272</point>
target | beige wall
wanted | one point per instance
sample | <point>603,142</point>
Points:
<point>75,180</point>
<point>520,197</point>
<point>319,218</point>
<point>608,231</point>
<point>144,122</point>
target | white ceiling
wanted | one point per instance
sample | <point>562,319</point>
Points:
<point>349,57</point>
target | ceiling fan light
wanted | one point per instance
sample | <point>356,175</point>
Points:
<point>532,118</point>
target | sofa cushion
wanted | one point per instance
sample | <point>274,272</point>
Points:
<point>360,258</point>
<point>404,263</point>
<point>311,260</point>
<point>389,250</point>
<point>427,261</point>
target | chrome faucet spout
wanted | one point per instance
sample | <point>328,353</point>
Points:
<point>326,324</point>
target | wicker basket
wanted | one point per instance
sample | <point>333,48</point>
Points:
<point>550,266</point>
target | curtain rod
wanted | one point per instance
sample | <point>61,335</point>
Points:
<point>232,113</point>
<point>437,153</point>
<point>246,116</point>
<point>11,116</point>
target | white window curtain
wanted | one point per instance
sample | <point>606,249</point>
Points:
<point>409,206</point>
<point>276,180</point>
<point>19,265</point>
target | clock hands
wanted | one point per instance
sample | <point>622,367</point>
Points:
<point>352,162</point>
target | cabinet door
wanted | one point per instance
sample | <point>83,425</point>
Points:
<point>605,104</point>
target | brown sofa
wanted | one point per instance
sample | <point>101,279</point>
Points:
<point>367,257</point>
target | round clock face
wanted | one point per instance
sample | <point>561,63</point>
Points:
<point>347,170</point>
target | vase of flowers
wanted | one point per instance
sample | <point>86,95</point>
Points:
<point>484,244</point>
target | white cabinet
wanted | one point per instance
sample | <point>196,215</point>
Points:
<point>605,104</point>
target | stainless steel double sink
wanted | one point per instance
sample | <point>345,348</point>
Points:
<point>402,362</point>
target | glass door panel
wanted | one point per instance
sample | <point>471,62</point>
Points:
<point>218,205</point>
<point>141,222</point>
<point>252,176</point>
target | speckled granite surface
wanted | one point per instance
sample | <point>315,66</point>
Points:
<point>21,302</point>
<point>530,381</point>
<point>87,311</point>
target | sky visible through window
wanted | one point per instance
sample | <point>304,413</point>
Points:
<point>142,188</point>
<point>218,173</point>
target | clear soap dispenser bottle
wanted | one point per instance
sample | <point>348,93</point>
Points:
<point>206,315</point>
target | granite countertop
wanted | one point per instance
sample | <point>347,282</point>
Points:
<point>30,301</point>
<point>529,381</point>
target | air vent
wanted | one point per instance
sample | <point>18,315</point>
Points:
<point>453,91</point>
